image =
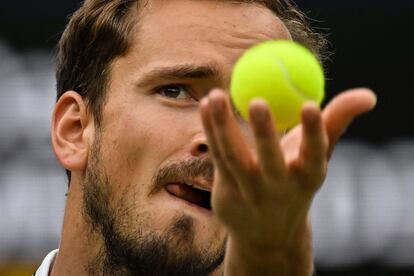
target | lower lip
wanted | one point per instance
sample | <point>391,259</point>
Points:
<point>195,206</point>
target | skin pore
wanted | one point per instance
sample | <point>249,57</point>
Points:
<point>116,210</point>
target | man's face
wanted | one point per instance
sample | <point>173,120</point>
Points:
<point>152,141</point>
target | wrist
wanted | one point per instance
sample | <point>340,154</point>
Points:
<point>291,258</point>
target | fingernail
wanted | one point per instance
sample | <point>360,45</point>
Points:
<point>204,102</point>
<point>259,115</point>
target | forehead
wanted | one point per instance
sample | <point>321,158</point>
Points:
<point>219,15</point>
<point>171,32</point>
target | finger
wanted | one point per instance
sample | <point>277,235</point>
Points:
<point>314,147</point>
<point>211,140</point>
<point>270,156</point>
<point>233,150</point>
<point>340,112</point>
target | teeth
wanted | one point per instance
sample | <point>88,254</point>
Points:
<point>197,187</point>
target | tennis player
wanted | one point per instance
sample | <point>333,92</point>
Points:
<point>164,178</point>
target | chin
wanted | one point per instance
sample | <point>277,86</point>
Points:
<point>168,209</point>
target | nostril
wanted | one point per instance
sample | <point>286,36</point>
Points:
<point>202,148</point>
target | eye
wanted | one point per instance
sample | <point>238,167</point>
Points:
<point>175,91</point>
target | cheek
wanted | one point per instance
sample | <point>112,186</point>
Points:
<point>131,144</point>
<point>139,141</point>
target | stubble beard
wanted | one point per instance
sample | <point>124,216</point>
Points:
<point>138,250</point>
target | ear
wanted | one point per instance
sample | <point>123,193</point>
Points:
<point>72,131</point>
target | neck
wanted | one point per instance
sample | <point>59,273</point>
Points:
<point>79,245</point>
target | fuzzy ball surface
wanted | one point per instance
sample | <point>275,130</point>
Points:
<point>283,73</point>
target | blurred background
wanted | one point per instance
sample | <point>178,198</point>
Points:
<point>363,222</point>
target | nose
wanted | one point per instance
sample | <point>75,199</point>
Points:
<point>199,147</point>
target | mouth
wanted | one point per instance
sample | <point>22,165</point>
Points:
<point>192,193</point>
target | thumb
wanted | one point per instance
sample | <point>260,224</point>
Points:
<point>343,109</point>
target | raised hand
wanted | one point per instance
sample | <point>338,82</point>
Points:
<point>262,192</point>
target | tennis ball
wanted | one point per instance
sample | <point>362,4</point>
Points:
<point>283,73</point>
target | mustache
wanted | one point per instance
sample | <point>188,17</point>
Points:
<point>190,168</point>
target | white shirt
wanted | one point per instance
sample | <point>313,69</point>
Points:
<point>46,265</point>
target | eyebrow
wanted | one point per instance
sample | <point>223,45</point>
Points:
<point>183,71</point>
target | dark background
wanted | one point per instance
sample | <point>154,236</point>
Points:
<point>371,43</point>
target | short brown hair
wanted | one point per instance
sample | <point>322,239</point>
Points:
<point>100,31</point>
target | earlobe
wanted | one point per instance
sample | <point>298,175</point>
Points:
<point>71,128</point>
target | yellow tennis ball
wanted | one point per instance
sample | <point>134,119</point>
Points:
<point>283,73</point>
